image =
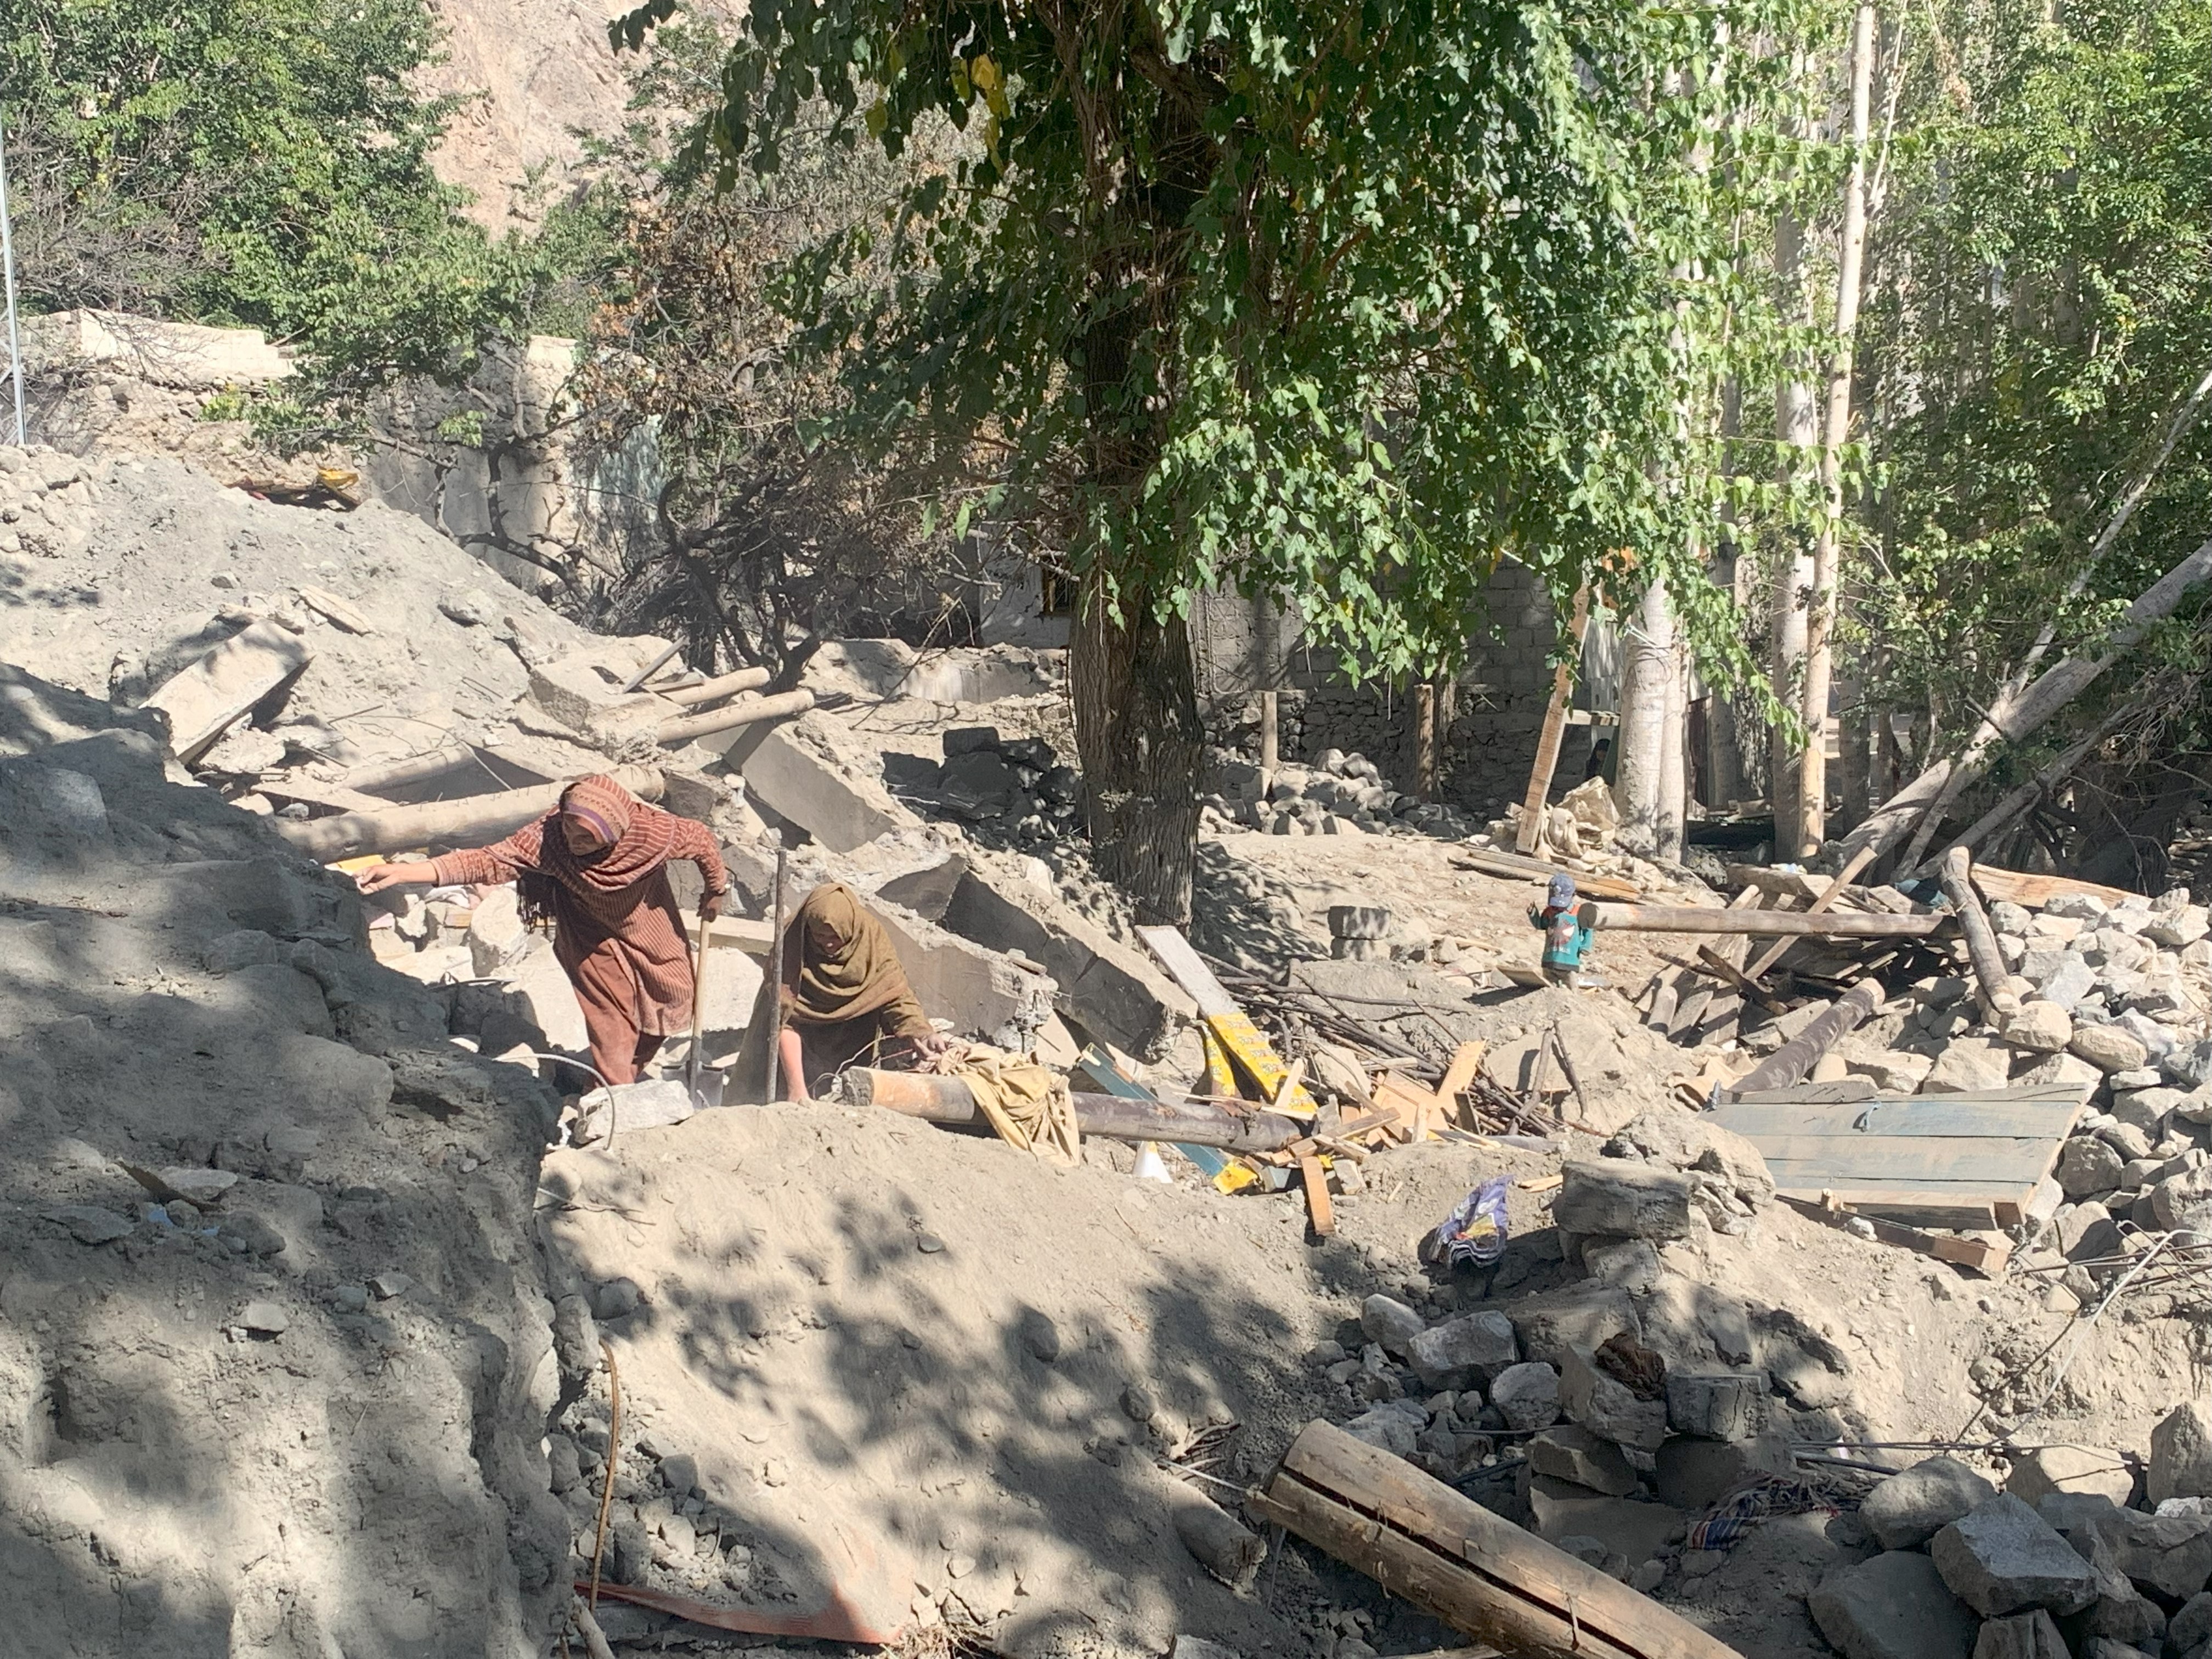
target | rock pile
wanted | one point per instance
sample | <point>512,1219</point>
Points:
<point>1610,1413</point>
<point>2057,1563</point>
<point>1015,783</point>
<point>1339,794</point>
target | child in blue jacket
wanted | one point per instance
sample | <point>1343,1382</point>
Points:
<point>1566,937</point>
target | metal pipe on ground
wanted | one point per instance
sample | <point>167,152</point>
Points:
<point>673,734</point>
<point>469,822</point>
<point>1689,919</point>
<point>947,1100</point>
<point>713,690</point>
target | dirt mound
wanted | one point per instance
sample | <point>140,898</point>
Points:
<point>117,573</point>
<point>281,1394</point>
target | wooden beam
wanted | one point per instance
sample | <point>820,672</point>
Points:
<point>751,712</point>
<point>1793,923</point>
<point>1796,1058</point>
<point>1511,866</point>
<point>1548,739</point>
<point>1453,1558</point>
<point>649,670</point>
<point>1318,1211</point>
<point>1857,862</point>
<point>947,1101</point>
<point>713,690</point>
<point>1990,971</point>
<point>469,822</point>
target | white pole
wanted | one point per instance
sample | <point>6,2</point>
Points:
<point>8,265</point>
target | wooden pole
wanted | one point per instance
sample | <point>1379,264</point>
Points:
<point>1796,924</point>
<point>1793,1062</point>
<point>1450,1557</point>
<point>775,966</point>
<point>1425,740</point>
<point>674,734</point>
<point>1271,756</point>
<point>380,775</point>
<point>1990,971</point>
<point>947,1100</point>
<point>691,696</point>
<point>1548,741</point>
<point>649,670</point>
<point>466,823</point>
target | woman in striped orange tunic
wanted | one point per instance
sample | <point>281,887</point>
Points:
<point>596,868</point>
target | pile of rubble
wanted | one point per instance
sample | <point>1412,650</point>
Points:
<point>1339,794</point>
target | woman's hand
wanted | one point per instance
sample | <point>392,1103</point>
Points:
<point>378,877</point>
<point>710,907</point>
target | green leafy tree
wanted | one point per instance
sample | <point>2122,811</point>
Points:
<point>1342,300</point>
<point>263,163</point>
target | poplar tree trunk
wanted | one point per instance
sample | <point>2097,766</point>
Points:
<point>1795,424</point>
<point>1138,729</point>
<point>1649,696</point>
<point>1811,817</point>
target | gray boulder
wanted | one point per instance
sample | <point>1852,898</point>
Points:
<point>2004,1558</point>
<point>2181,1453</point>
<point>2022,1636</point>
<point>1716,1405</point>
<point>1893,1605</point>
<point>1461,1350</point>
<point>1389,1322</point>
<point>1907,1510</point>
<point>1606,1406</point>
<point>1526,1396</point>
<point>1570,1452</point>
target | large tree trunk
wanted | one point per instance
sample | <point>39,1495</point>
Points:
<point>2021,717</point>
<point>1811,817</point>
<point>1796,425</point>
<point>1137,727</point>
<point>1647,670</point>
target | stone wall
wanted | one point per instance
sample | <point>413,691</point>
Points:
<point>1494,706</point>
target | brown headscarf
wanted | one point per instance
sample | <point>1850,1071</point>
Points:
<point>844,966</point>
<point>641,837</point>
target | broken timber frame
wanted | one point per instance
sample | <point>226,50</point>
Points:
<point>1990,971</point>
<point>674,734</point>
<point>1450,1557</point>
<point>947,1100</point>
<point>1548,741</point>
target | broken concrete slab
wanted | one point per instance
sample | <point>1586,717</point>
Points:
<point>914,869</point>
<point>1907,1510</point>
<point>1585,1315</point>
<point>813,772</point>
<point>1622,1198</point>
<point>585,696</point>
<point>2004,1558</point>
<point>1893,1605</point>
<point>1111,990</point>
<point>204,701</point>
<point>982,992</point>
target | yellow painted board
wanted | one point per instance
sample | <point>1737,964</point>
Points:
<point>1256,1057</point>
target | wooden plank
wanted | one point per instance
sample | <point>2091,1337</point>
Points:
<point>1548,737</point>
<point>1936,1116</point>
<point>1465,1061</point>
<point>1962,1208</point>
<point>1839,1160</point>
<point>1318,1211</point>
<point>1511,866</point>
<point>1188,970</point>
<point>1694,918</point>
<point>2034,892</point>
<point>1985,1255</point>
<point>1842,1092</point>
<point>1414,1104</point>
<point>1244,1041</point>
<point>335,610</point>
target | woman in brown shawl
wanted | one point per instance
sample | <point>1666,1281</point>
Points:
<point>846,1000</point>
<point>596,868</point>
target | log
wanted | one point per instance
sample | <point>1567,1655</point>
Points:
<point>947,1100</point>
<point>1690,919</point>
<point>651,668</point>
<point>1990,971</point>
<point>1450,1557</point>
<point>713,690</point>
<point>469,822</point>
<point>1511,866</point>
<point>1222,1544</point>
<point>1795,1059</point>
<point>380,775</point>
<point>675,732</point>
